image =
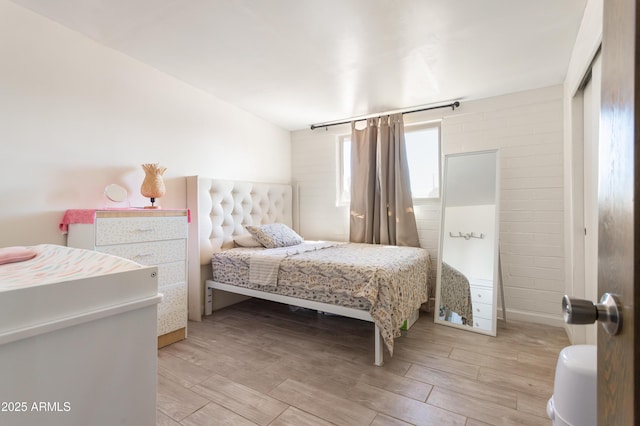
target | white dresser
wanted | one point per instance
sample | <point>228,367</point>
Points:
<point>482,303</point>
<point>149,237</point>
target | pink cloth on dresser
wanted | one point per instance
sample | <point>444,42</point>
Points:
<point>89,216</point>
<point>76,216</point>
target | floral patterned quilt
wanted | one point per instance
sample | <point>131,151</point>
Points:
<point>391,282</point>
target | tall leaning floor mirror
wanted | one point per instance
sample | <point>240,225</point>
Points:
<point>467,273</point>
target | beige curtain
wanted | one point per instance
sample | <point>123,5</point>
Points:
<point>381,202</point>
<point>364,183</point>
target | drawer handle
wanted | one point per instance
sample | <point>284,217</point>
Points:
<point>144,229</point>
<point>143,255</point>
<point>479,295</point>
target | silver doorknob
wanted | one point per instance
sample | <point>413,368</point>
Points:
<point>580,311</point>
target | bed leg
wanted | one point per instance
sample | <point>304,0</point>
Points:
<point>378,349</point>
<point>208,302</point>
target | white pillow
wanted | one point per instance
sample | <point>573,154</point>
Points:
<point>274,235</point>
<point>246,240</point>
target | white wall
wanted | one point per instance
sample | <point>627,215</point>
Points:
<point>527,127</point>
<point>76,116</point>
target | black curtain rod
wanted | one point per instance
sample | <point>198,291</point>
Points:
<point>452,105</point>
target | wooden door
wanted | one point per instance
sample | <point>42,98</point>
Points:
<point>619,183</point>
<point>591,110</point>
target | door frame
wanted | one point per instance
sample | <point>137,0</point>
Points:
<point>574,197</point>
<point>591,137</point>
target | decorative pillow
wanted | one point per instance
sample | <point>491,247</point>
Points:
<point>246,240</point>
<point>16,254</point>
<point>274,235</point>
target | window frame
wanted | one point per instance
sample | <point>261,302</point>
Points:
<point>342,200</point>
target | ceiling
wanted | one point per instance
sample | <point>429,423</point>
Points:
<point>298,62</point>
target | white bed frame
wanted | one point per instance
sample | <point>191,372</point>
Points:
<point>219,211</point>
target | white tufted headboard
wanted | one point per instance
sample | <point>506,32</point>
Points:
<point>219,211</point>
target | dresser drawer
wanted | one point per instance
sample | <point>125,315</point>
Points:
<point>172,314</point>
<point>122,230</point>
<point>150,253</point>
<point>481,294</point>
<point>482,310</point>
<point>171,273</point>
<point>480,282</point>
<point>482,323</point>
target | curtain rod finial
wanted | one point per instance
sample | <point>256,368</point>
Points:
<point>319,126</point>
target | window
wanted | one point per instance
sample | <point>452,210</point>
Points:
<point>423,156</point>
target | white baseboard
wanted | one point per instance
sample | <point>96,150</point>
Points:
<point>547,319</point>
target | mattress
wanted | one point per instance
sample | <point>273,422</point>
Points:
<point>390,282</point>
<point>53,264</point>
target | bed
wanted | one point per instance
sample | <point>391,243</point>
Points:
<point>357,286</point>
<point>84,319</point>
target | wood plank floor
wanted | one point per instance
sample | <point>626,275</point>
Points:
<point>263,363</point>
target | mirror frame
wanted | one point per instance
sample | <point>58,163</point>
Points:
<point>496,248</point>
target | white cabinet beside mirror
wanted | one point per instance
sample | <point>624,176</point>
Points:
<point>467,275</point>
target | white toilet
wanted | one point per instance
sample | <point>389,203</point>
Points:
<point>574,400</point>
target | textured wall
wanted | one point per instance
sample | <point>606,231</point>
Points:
<point>527,128</point>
